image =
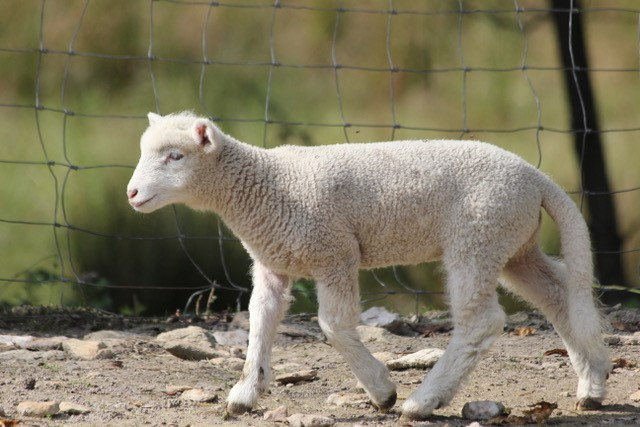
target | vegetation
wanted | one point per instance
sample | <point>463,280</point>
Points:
<point>108,85</point>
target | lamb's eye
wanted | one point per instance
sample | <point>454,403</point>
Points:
<point>175,155</point>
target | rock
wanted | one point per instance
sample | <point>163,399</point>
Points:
<point>347,399</point>
<point>172,390</point>
<point>190,343</point>
<point>87,350</point>
<point>380,317</point>
<point>482,410</point>
<point>385,356</point>
<point>236,338</point>
<point>422,359</point>
<point>373,333</point>
<point>37,409</point>
<point>110,335</point>
<point>278,415</point>
<point>635,396</point>
<point>199,395</point>
<point>72,408</point>
<point>29,356</point>
<point>231,363</point>
<point>310,420</point>
<point>612,339</point>
<point>42,344</point>
<point>15,340</point>
<point>296,377</point>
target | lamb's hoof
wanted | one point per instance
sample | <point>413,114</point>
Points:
<point>387,404</point>
<point>237,408</point>
<point>588,404</point>
<point>414,411</point>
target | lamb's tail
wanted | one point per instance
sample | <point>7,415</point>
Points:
<point>574,235</point>
<point>584,334</point>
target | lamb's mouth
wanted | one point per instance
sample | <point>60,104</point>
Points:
<point>139,204</point>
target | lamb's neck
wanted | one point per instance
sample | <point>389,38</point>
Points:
<point>244,182</point>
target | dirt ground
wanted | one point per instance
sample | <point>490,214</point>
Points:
<point>130,388</point>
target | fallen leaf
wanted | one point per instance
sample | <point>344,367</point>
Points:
<point>621,362</point>
<point>8,423</point>
<point>538,414</point>
<point>524,331</point>
<point>540,411</point>
<point>559,351</point>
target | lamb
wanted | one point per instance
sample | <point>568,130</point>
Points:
<point>326,212</point>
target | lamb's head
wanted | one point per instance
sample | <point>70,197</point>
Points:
<point>173,151</point>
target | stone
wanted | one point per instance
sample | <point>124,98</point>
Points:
<point>235,338</point>
<point>110,335</point>
<point>15,340</point>
<point>296,377</point>
<point>635,396</point>
<point>172,390</point>
<point>382,318</point>
<point>199,395</point>
<point>87,350</point>
<point>29,356</point>
<point>482,410</point>
<point>278,415</point>
<point>347,399</point>
<point>190,343</point>
<point>43,344</point>
<point>37,409</point>
<point>231,363</point>
<point>310,420</point>
<point>422,359</point>
<point>72,408</point>
<point>385,356</point>
<point>373,333</point>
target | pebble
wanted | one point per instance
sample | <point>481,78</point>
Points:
<point>30,383</point>
<point>15,340</point>
<point>382,318</point>
<point>41,344</point>
<point>422,359</point>
<point>190,343</point>
<point>373,333</point>
<point>635,396</point>
<point>172,390</point>
<point>482,410</point>
<point>278,415</point>
<point>107,334</point>
<point>37,409</point>
<point>232,363</point>
<point>87,350</point>
<point>235,338</point>
<point>199,395</point>
<point>347,399</point>
<point>72,408</point>
<point>296,377</point>
<point>310,420</point>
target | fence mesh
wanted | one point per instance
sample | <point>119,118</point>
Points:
<point>377,69</point>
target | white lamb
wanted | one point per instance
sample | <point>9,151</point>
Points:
<point>326,212</point>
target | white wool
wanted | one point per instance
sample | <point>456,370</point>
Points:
<point>325,212</point>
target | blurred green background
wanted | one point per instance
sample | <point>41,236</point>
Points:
<point>89,59</point>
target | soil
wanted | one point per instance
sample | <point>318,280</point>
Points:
<point>130,389</point>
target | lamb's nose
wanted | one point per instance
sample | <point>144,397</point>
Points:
<point>132,193</point>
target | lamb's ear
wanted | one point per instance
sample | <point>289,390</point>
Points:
<point>153,117</point>
<point>206,134</point>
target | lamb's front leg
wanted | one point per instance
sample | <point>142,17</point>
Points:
<point>266,309</point>
<point>338,315</point>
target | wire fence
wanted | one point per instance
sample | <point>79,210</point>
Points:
<point>56,99</point>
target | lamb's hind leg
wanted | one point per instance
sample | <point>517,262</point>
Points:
<point>338,315</point>
<point>266,309</point>
<point>542,281</point>
<point>478,320</point>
